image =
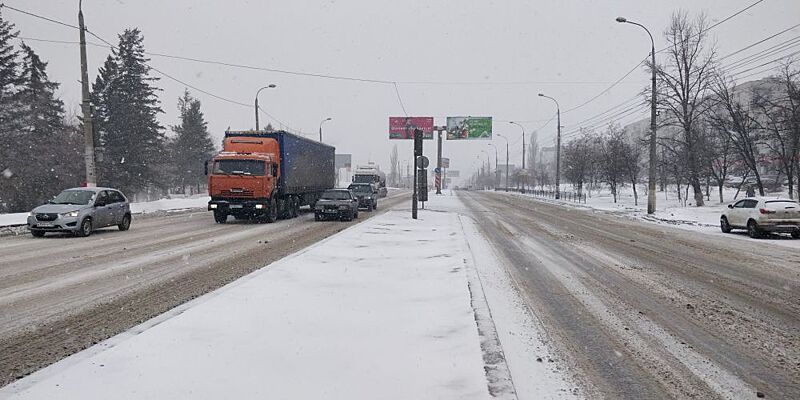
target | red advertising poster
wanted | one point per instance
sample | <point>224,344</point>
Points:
<point>403,127</point>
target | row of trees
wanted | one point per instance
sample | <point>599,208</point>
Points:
<point>41,147</point>
<point>710,130</point>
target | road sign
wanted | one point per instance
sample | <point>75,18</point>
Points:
<point>422,162</point>
<point>437,170</point>
<point>445,162</point>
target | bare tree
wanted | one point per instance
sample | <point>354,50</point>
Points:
<point>684,82</point>
<point>720,157</point>
<point>578,160</point>
<point>611,158</point>
<point>732,117</point>
<point>780,113</point>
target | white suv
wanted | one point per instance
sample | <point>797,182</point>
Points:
<point>762,215</point>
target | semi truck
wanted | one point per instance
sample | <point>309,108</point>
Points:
<point>265,176</point>
<point>371,173</point>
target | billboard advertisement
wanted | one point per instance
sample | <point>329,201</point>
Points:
<point>403,127</point>
<point>459,128</point>
<point>343,161</point>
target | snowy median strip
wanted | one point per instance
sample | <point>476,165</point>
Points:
<point>380,310</point>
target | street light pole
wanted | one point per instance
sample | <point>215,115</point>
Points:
<point>320,127</point>
<point>496,171</point>
<point>270,86</point>
<point>88,129</point>
<point>506,139</point>
<point>558,146</point>
<point>523,153</point>
<point>488,163</point>
<point>651,184</point>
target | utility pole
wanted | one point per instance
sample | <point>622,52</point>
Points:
<point>88,126</point>
<point>439,130</point>
<point>558,146</point>
<point>651,184</point>
<point>417,155</point>
<point>524,172</point>
<point>270,86</point>
<point>506,139</point>
<point>496,170</point>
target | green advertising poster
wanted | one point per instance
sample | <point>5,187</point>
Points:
<point>469,128</point>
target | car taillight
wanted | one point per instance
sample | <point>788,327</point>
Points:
<point>765,211</point>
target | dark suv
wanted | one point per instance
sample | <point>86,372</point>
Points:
<point>336,203</point>
<point>366,194</point>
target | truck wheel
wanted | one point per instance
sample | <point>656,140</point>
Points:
<point>294,206</point>
<point>220,217</point>
<point>272,212</point>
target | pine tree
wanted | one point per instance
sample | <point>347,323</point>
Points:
<point>192,144</point>
<point>9,106</point>
<point>127,106</point>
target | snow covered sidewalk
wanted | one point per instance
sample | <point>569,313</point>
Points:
<point>379,311</point>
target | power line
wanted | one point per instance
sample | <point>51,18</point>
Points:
<point>400,99</point>
<point>758,42</point>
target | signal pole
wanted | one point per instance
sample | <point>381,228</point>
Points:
<point>88,127</point>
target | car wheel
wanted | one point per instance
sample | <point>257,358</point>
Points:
<point>355,214</point>
<point>317,217</point>
<point>752,229</point>
<point>125,224</point>
<point>272,213</point>
<point>724,225</point>
<point>85,228</point>
<point>375,206</point>
<point>41,233</point>
<point>795,234</point>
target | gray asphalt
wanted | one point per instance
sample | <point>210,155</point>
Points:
<point>644,311</point>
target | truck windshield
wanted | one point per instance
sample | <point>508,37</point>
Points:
<point>336,195</point>
<point>364,179</point>
<point>239,167</point>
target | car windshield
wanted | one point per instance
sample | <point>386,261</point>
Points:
<point>336,195</point>
<point>73,197</point>
<point>361,188</point>
<point>239,167</point>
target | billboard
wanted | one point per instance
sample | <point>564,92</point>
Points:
<point>453,173</point>
<point>469,128</point>
<point>445,162</point>
<point>403,127</point>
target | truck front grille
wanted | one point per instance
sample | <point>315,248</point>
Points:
<point>234,192</point>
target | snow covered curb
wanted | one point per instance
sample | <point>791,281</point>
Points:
<point>380,310</point>
<point>136,208</point>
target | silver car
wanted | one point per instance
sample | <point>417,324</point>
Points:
<point>81,211</point>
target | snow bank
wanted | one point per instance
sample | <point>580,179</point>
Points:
<point>136,208</point>
<point>669,211</point>
<point>380,310</point>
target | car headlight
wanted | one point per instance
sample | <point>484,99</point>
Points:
<point>259,206</point>
<point>72,214</point>
<point>30,214</point>
<point>212,206</point>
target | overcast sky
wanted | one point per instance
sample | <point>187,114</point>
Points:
<point>487,58</point>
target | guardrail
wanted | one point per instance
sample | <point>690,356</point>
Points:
<point>549,194</point>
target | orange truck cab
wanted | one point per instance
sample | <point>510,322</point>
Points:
<point>267,175</point>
